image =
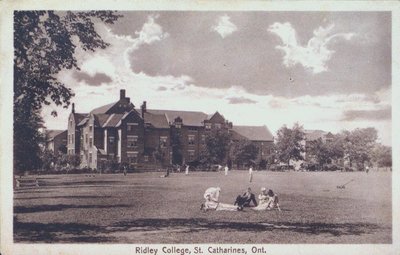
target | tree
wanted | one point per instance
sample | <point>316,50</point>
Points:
<point>44,44</point>
<point>381,155</point>
<point>217,147</point>
<point>176,147</point>
<point>244,152</point>
<point>358,145</point>
<point>159,156</point>
<point>290,143</point>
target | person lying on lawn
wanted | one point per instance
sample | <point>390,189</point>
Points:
<point>245,199</point>
<point>211,195</point>
<point>267,200</point>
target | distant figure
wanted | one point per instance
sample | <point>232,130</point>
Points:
<point>187,170</point>
<point>178,169</point>
<point>367,169</point>
<point>125,171</point>
<point>267,200</point>
<point>226,170</point>
<point>245,199</point>
<point>165,175</point>
<point>211,196</point>
<point>219,168</point>
<point>250,174</point>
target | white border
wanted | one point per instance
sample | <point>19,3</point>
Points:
<point>6,97</point>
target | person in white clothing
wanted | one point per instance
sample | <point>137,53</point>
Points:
<point>187,170</point>
<point>267,200</point>
<point>250,174</point>
<point>226,170</point>
<point>211,195</point>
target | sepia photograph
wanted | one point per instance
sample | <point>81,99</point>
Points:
<point>191,127</point>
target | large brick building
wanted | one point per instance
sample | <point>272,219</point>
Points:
<point>125,134</point>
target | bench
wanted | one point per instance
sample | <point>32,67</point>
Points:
<point>27,182</point>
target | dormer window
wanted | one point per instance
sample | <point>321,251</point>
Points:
<point>208,126</point>
<point>178,125</point>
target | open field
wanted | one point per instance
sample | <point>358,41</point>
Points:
<point>144,208</point>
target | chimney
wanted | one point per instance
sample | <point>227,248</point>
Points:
<point>73,108</point>
<point>122,94</point>
<point>144,108</point>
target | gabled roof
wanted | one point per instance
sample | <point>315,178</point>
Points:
<point>103,109</point>
<point>190,118</point>
<point>254,133</point>
<point>51,134</point>
<point>156,120</point>
<point>79,117</point>
<point>217,117</point>
<point>113,120</point>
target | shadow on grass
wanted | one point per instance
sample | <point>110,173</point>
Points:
<point>199,224</point>
<point>56,197</point>
<point>58,232</point>
<point>60,207</point>
<point>85,233</point>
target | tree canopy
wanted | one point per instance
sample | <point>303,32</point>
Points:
<point>44,44</point>
<point>290,143</point>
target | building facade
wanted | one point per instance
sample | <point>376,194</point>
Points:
<point>142,137</point>
<point>56,141</point>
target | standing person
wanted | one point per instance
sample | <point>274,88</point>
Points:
<point>250,174</point>
<point>125,170</point>
<point>187,170</point>
<point>226,170</point>
<point>367,169</point>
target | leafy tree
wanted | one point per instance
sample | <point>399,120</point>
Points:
<point>217,147</point>
<point>381,155</point>
<point>358,145</point>
<point>290,143</point>
<point>74,160</point>
<point>176,147</point>
<point>159,156</point>
<point>244,152</point>
<point>44,44</point>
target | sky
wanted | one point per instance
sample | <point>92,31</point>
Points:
<point>325,70</point>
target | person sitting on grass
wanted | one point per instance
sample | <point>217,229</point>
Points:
<point>245,199</point>
<point>267,200</point>
<point>211,195</point>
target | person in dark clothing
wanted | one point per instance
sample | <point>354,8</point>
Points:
<point>245,199</point>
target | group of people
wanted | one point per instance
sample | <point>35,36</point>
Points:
<point>267,200</point>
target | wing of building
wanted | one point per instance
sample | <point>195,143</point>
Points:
<point>122,133</point>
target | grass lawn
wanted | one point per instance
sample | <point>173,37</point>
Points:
<point>144,208</point>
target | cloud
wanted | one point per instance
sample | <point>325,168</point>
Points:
<point>224,27</point>
<point>381,114</point>
<point>93,80</point>
<point>161,88</point>
<point>315,55</point>
<point>240,100</point>
<point>150,33</point>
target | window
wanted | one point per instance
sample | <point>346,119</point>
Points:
<point>208,126</point>
<point>132,141</point>
<point>203,139</point>
<point>72,138</point>
<point>178,125</point>
<point>130,126</point>
<point>218,125</point>
<point>191,155</point>
<point>90,142</point>
<point>163,141</point>
<point>70,123</point>
<point>146,158</point>
<point>111,139</point>
<point>90,128</point>
<point>132,157</point>
<point>90,157</point>
<point>191,139</point>
<point>86,138</point>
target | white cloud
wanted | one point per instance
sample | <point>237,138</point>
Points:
<point>315,55</point>
<point>181,93</point>
<point>224,27</point>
